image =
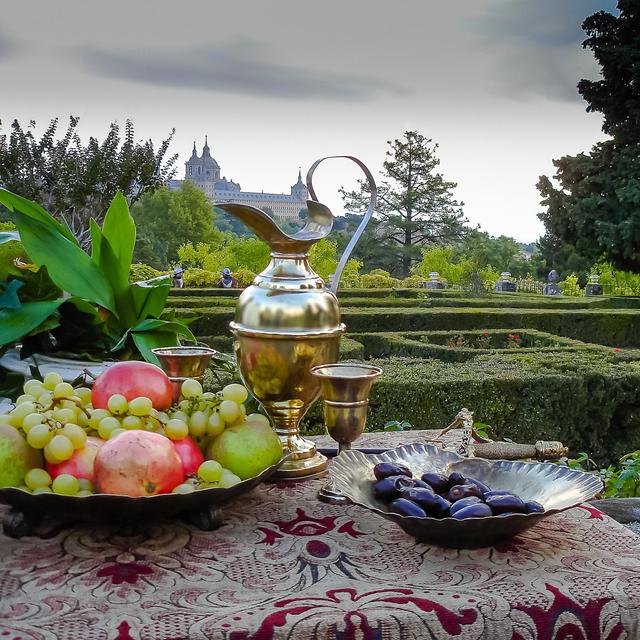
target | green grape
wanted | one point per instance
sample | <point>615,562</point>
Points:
<point>25,397</point>
<point>51,380</point>
<point>5,420</point>
<point>66,485</point>
<point>82,419</point>
<point>40,490</point>
<point>83,493</point>
<point>22,411</point>
<point>258,418</point>
<point>150,425</point>
<point>35,478</point>
<point>96,416</point>
<point>45,399</point>
<point>33,387</point>
<point>210,471</point>
<point>176,429</point>
<point>180,415</point>
<point>107,426</point>
<point>228,479</point>
<point>184,488</point>
<point>84,394</point>
<point>117,404</point>
<point>131,422</point>
<point>23,487</point>
<point>215,424</point>
<point>140,406</point>
<point>116,432</point>
<point>198,423</point>
<point>208,396</point>
<point>184,405</point>
<point>85,484</point>
<point>62,390</point>
<point>76,434</point>
<point>191,388</point>
<point>64,415</point>
<point>31,421</point>
<point>39,436</point>
<point>235,392</point>
<point>58,450</point>
<point>229,411</point>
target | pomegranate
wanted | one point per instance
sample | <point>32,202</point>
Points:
<point>80,464</point>
<point>189,453</point>
<point>138,463</point>
<point>133,379</point>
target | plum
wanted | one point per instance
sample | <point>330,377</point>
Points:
<point>407,508</point>
<point>463,502</point>
<point>386,469</point>
<point>389,488</point>
<point>533,507</point>
<point>437,481</point>
<point>459,491</point>
<point>478,510</point>
<point>509,502</point>
<point>457,478</point>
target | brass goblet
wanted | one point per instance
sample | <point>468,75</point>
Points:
<point>345,392</point>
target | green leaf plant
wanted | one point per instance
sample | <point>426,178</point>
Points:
<point>73,303</point>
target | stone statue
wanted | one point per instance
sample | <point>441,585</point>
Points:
<point>594,288</point>
<point>505,284</point>
<point>552,288</point>
<point>434,281</point>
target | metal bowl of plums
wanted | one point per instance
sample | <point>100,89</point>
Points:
<point>441,498</point>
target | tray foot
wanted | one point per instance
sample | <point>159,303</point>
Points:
<point>17,524</point>
<point>208,519</point>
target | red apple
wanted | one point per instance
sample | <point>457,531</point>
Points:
<point>190,454</point>
<point>138,463</point>
<point>133,379</point>
<point>80,464</point>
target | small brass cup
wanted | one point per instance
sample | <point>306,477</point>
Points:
<point>180,363</point>
<point>345,392</point>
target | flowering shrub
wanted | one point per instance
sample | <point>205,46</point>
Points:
<point>514,341</point>
<point>483,341</point>
<point>456,341</point>
<point>200,278</point>
<point>570,287</point>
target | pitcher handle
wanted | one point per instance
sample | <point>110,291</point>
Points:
<point>365,221</point>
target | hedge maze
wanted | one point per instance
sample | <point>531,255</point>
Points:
<point>531,367</point>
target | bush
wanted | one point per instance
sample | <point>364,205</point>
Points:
<point>570,287</point>
<point>413,282</point>
<point>140,271</point>
<point>245,277</point>
<point>200,278</point>
<point>378,280</point>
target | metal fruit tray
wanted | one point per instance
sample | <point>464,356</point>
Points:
<point>555,487</point>
<point>202,508</point>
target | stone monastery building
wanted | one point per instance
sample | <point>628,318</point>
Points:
<point>205,172</point>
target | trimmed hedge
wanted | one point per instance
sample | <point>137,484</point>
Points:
<point>616,328</point>
<point>584,399</point>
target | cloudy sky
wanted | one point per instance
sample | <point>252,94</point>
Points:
<point>277,84</point>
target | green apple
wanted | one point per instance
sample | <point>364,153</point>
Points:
<point>16,457</point>
<point>246,449</point>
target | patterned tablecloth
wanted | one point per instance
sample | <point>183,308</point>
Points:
<point>287,566</point>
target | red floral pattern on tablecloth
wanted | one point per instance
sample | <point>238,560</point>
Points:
<point>286,566</point>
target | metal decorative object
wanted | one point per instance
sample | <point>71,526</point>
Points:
<point>555,487</point>
<point>287,322</point>
<point>203,507</point>
<point>180,363</point>
<point>345,392</point>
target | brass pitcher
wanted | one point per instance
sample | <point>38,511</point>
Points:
<point>287,322</point>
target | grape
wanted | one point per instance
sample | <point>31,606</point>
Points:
<point>51,380</point>
<point>117,432</point>
<point>31,421</point>
<point>85,484</point>
<point>5,420</point>
<point>132,422</point>
<point>229,411</point>
<point>25,397</point>
<point>96,416</point>
<point>66,485</point>
<point>39,435</point>
<point>33,387</point>
<point>208,396</point>
<point>76,434</point>
<point>235,392</point>
<point>35,478</point>
<point>184,488</point>
<point>210,471</point>
<point>258,418</point>
<point>228,479</point>
<point>58,450</point>
<point>63,390</point>
<point>184,405</point>
<point>64,415</point>
<point>83,493</point>
<point>107,426</point>
<point>198,423</point>
<point>191,388</point>
<point>22,411</point>
<point>117,404</point>
<point>180,415</point>
<point>140,406</point>
<point>84,394</point>
<point>40,490</point>
<point>82,419</point>
<point>45,399</point>
<point>176,429</point>
<point>215,424</point>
